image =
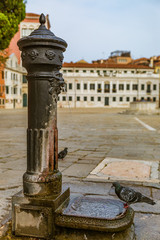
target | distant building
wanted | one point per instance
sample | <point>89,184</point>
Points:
<point>13,83</point>
<point>108,84</point>
<point>118,57</point>
<point>2,88</point>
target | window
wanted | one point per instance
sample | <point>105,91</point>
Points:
<point>85,86</point>
<point>5,74</point>
<point>148,88</point>
<point>114,99</point>
<point>24,79</point>
<point>125,71</point>
<point>77,70</point>
<point>106,87</point>
<point>121,99</point>
<point>92,86</point>
<point>2,74</point>
<point>3,102</point>
<point>85,99</point>
<point>92,99</point>
<point>84,71</point>
<point>99,99</point>
<point>78,86</point>
<point>142,86</point>
<point>128,86</point>
<point>70,85</point>
<point>135,87</point>
<point>122,60</point>
<point>7,89</point>
<point>114,88</point>
<point>78,98</point>
<point>154,87</point>
<point>70,98</point>
<point>121,86</point>
<point>24,32</point>
<point>127,99</point>
<point>70,70</point>
<point>64,71</point>
<point>99,88</point>
<point>92,71</point>
<point>154,99</point>
<point>142,98</point>
<point>132,71</point>
<point>63,98</point>
<point>134,99</point>
<point>104,71</point>
<point>15,90</point>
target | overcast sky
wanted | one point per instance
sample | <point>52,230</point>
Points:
<point>94,28</point>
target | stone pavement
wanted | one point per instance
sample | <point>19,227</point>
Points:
<point>91,135</point>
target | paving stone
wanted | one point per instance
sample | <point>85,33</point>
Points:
<point>156,193</point>
<point>90,135</point>
<point>78,170</point>
<point>147,226</point>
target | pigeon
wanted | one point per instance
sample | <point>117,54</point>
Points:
<point>129,196</point>
<point>62,154</point>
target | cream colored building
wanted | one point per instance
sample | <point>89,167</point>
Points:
<point>13,82</point>
<point>108,85</point>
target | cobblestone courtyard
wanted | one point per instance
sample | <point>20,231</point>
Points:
<point>91,135</point>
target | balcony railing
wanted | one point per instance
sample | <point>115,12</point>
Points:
<point>106,90</point>
<point>114,90</point>
<point>99,90</point>
<point>148,91</point>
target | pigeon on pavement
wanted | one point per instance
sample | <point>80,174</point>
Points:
<point>129,196</point>
<point>62,154</point>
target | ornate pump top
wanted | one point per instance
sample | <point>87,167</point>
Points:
<point>42,36</point>
<point>42,19</point>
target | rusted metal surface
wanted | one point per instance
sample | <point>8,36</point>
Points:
<point>42,56</point>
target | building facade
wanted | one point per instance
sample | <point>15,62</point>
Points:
<point>13,73</point>
<point>2,88</point>
<point>108,85</point>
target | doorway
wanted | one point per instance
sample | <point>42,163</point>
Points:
<point>106,103</point>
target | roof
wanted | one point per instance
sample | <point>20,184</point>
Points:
<point>82,61</point>
<point>157,64</point>
<point>141,59</point>
<point>104,65</point>
<point>32,15</point>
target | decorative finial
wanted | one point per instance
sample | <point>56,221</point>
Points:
<point>42,19</point>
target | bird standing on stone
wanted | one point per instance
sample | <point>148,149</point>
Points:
<point>129,196</point>
<point>62,154</point>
